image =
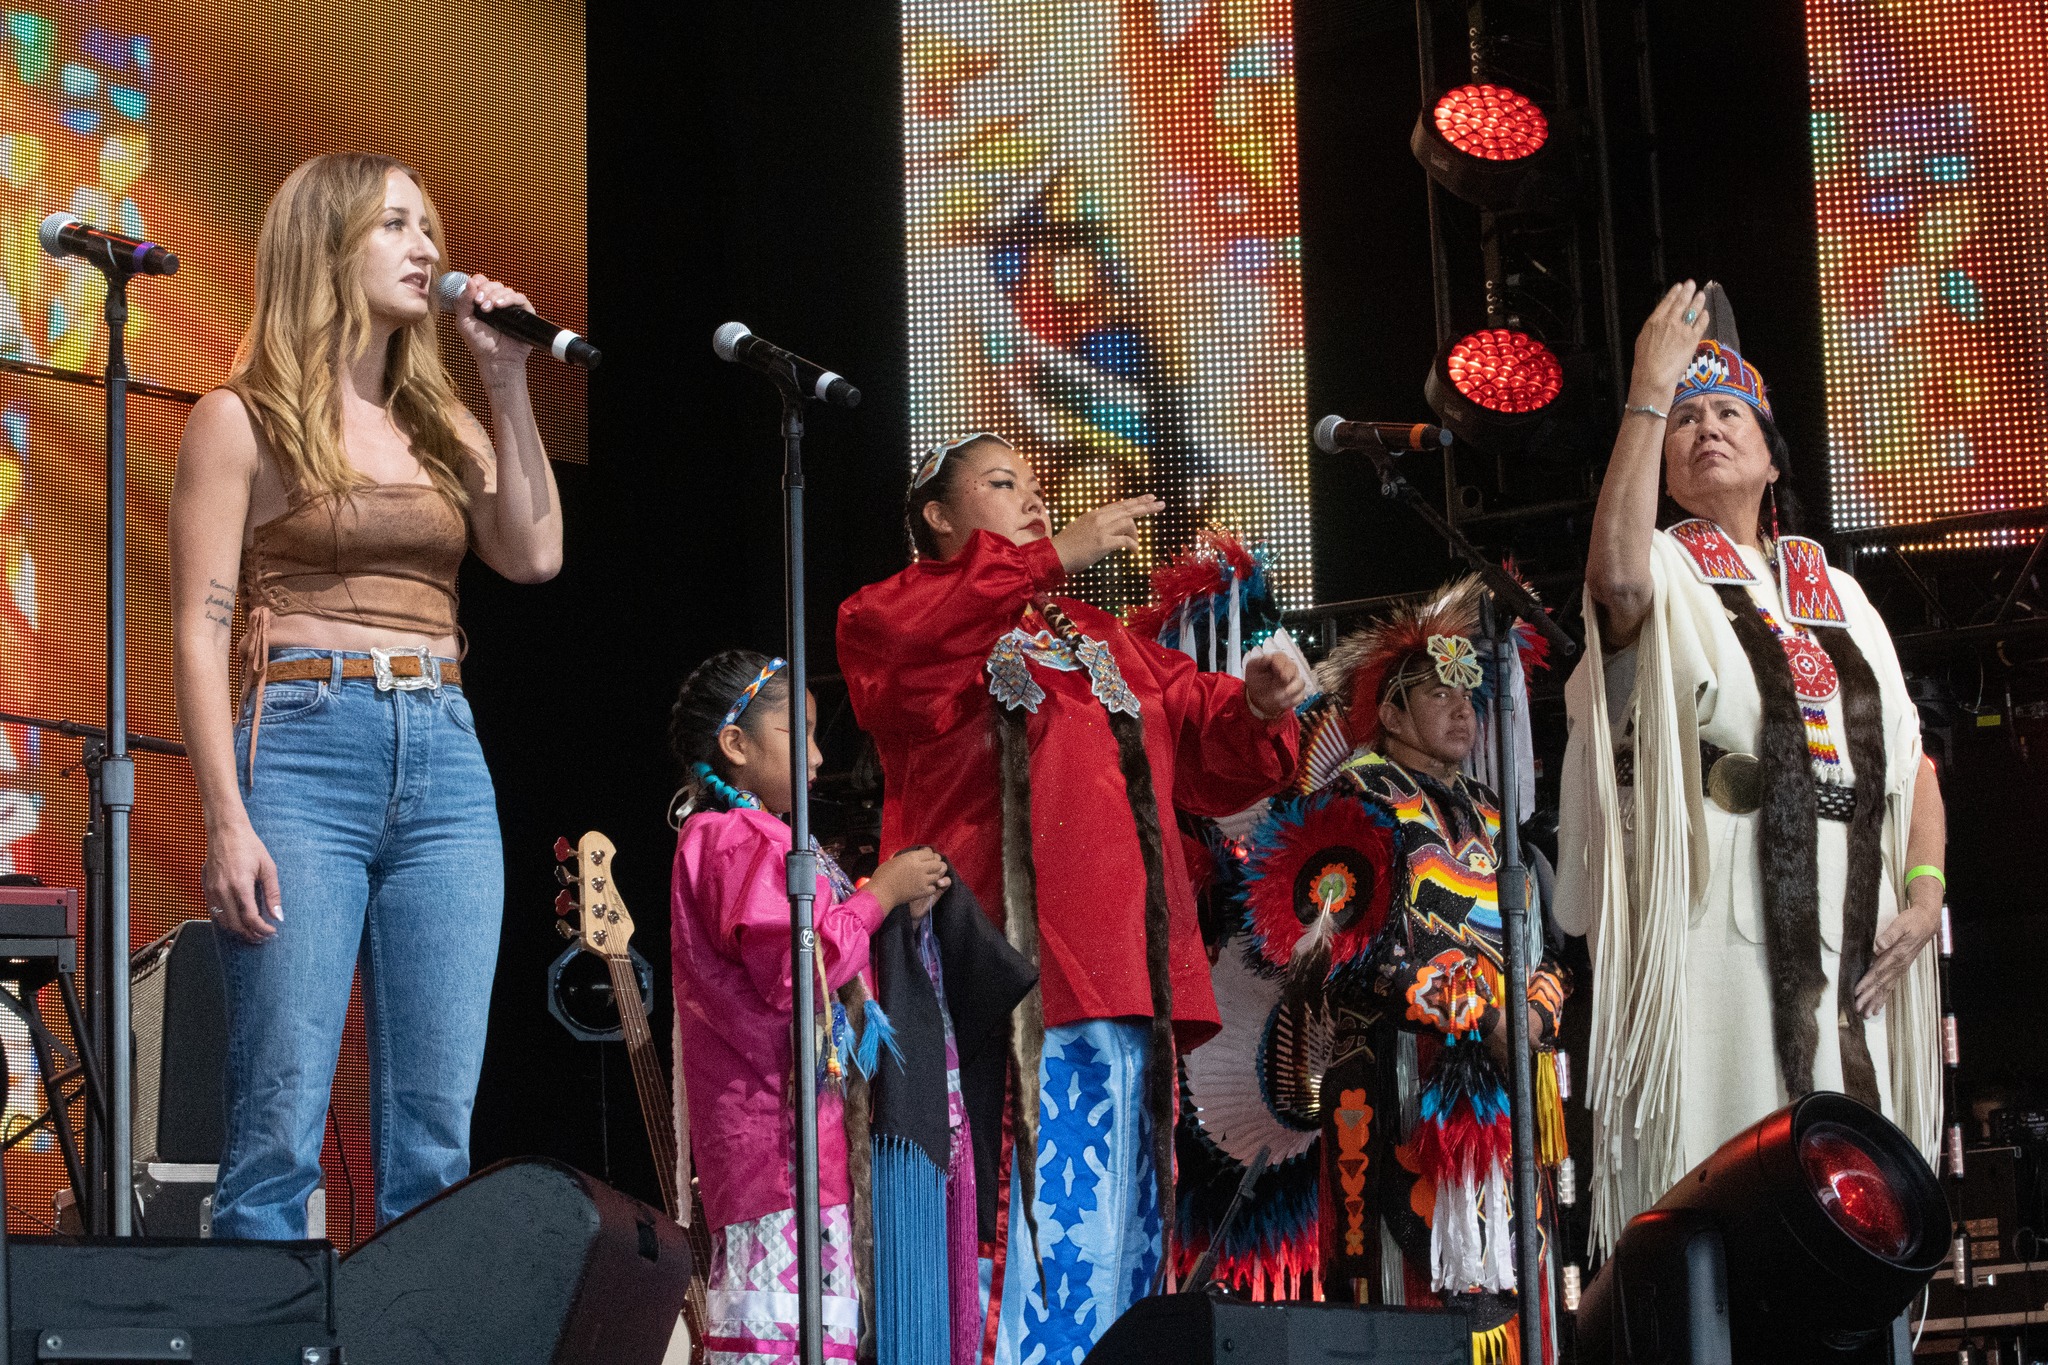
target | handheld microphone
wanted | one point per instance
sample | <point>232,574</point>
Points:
<point>735,343</point>
<point>1333,434</point>
<point>66,234</point>
<point>559,342</point>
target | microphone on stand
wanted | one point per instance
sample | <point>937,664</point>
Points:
<point>1334,434</point>
<point>559,342</point>
<point>735,342</point>
<point>66,234</point>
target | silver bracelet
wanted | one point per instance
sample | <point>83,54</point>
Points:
<point>1646,408</point>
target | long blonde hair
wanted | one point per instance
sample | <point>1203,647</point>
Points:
<point>311,318</point>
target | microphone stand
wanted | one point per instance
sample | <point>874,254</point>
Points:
<point>102,961</point>
<point>117,777</point>
<point>803,885</point>
<point>1506,600</point>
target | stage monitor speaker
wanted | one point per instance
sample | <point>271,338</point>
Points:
<point>525,1263</point>
<point>181,1040</point>
<point>1200,1329</point>
<point>147,1299</point>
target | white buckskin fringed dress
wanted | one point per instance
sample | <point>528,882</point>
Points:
<point>1704,929</point>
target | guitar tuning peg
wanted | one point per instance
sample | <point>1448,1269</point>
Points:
<point>564,850</point>
<point>565,901</point>
<point>565,874</point>
<point>565,929</point>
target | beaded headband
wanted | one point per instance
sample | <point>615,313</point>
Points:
<point>1720,369</point>
<point>935,455</point>
<point>739,706</point>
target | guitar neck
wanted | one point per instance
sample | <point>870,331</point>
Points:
<point>656,1100</point>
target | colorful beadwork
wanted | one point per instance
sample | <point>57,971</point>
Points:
<point>752,689</point>
<point>1456,660</point>
<point>1011,683</point>
<point>1804,588</point>
<point>1813,672</point>
<point>1714,557</point>
<point>1717,369</point>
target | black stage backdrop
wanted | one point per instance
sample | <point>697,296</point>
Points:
<point>745,162</point>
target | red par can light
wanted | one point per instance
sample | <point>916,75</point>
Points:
<point>1491,122</point>
<point>1494,386</point>
<point>1493,146</point>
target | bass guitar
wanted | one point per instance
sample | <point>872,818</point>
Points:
<point>592,914</point>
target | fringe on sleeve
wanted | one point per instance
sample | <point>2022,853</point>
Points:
<point>1635,1071</point>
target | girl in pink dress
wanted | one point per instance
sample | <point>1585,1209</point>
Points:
<point>730,911</point>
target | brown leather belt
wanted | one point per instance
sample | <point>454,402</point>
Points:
<point>388,672</point>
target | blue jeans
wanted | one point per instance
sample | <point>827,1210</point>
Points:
<point>378,810</point>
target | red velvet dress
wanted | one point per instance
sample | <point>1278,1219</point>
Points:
<point>914,649</point>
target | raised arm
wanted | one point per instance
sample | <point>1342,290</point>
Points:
<point>904,642</point>
<point>1618,561</point>
<point>217,464</point>
<point>515,511</point>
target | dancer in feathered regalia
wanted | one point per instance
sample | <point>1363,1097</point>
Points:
<point>1365,981</point>
<point>1435,1093</point>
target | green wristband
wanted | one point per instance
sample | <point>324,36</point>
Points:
<point>1926,870</point>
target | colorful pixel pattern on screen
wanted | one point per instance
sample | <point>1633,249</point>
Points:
<point>1930,147</point>
<point>1105,260</point>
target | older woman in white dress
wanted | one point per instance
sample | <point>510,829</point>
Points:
<point>1751,834</point>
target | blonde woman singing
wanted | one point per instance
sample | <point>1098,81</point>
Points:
<point>336,483</point>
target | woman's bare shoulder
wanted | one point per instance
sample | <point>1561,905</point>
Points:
<point>221,435</point>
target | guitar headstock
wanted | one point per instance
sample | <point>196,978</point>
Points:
<point>603,927</point>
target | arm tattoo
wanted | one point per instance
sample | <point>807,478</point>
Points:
<point>220,603</point>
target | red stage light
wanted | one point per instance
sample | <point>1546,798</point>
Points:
<point>1505,371</point>
<point>1851,1185</point>
<point>1492,122</point>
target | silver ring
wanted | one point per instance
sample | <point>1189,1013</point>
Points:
<point>1692,314</point>
<point>215,911</point>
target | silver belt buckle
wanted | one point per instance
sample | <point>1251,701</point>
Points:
<point>380,659</point>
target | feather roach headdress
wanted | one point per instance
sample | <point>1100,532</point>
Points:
<point>1433,637</point>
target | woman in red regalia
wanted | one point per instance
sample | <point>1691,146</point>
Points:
<point>1042,747</point>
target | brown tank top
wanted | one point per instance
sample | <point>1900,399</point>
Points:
<point>383,556</point>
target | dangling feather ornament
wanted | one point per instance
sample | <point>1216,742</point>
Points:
<point>1212,602</point>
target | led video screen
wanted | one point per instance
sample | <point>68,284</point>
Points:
<point>1105,260</point>
<point>1930,147</point>
<point>174,122</point>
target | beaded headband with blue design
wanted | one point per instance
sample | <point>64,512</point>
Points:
<point>740,703</point>
<point>1720,369</point>
<point>935,455</point>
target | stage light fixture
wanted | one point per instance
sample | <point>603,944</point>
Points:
<point>1493,387</point>
<point>1494,147</point>
<point>1803,1238</point>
